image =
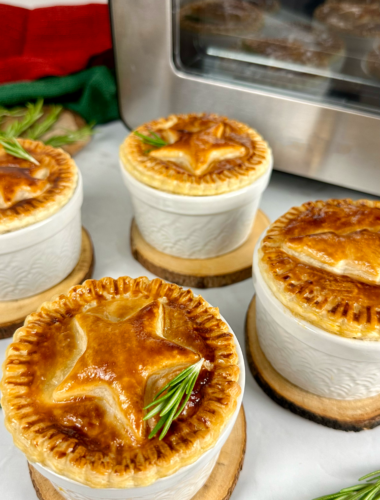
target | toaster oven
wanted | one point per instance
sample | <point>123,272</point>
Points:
<point>309,86</point>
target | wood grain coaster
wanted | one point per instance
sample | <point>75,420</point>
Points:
<point>219,485</point>
<point>14,312</point>
<point>219,271</point>
<point>354,415</point>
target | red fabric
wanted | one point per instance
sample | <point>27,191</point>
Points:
<point>51,41</point>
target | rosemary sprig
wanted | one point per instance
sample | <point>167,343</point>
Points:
<point>14,148</point>
<point>11,112</point>
<point>40,128</point>
<point>167,405</point>
<point>153,139</point>
<point>33,112</point>
<point>370,490</point>
<point>72,136</point>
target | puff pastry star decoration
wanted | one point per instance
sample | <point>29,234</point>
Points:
<point>18,184</point>
<point>119,357</point>
<point>196,154</point>
<point>82,373</point>
<point>30,193</point>
<point>322,261</point>
<point>355,254</point>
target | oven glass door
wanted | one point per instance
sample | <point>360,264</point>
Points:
<point>319,50</point>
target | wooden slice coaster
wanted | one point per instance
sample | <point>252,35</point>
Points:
<point>199,273</point>
<point>354,415</point>
<point>219,485</point>
<point>14,312</point>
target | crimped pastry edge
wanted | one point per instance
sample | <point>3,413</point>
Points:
<point>345,326</point>
<point>156,174</point>
<point>198,436</point>
<point>50,202</point>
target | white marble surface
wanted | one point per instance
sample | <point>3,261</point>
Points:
<point>287,458</point>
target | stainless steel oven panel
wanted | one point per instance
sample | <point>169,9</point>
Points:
<point>331,144</point>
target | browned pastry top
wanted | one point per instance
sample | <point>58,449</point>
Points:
<point>205,154</point>
<point>322,260</point>
<point>354,18</point>
<point>81,370</point>
<point>30,193</point>
<point>221,17</point>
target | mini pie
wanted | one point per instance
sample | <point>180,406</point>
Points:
<point>358,18</point>
<point>82,368</point>
<point>220,17</point>
<point>30,193</point>
<point>322,261</point>
<point>206,154</point>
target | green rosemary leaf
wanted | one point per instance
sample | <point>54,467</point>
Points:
<point>189,390</point>
<point>11,112</point>
<point>167,405</point>
<point>156,136</point>
<point>153,140</point>
<point>33,113</point>
<point>154,412</point>
<point>185,401</point>
<point>367,491</point>
<point>175,400</point>
<point>157,427</point>
<point>167,423</point>
<point>175,380</point>
<point>333,496</point>
<point>374,494</point>
<point>375,478</point>
<point>40,128</point>
<point>357,487</point>
<point>14,148</point>
<point>162,398</point>
<point>369,475</point>
<point>58,141</point>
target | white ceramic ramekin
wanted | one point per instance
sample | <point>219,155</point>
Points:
<point>182,485</point>
<point>311,358</point>
<point>195,227</point>
<point>39,256</point>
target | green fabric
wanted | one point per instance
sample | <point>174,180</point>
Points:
<point>91,93</point>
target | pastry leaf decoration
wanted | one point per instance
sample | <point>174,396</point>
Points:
<point>169,405</point>
<point>370,490</point>
<point>14,148</point>
<point>153,139</point>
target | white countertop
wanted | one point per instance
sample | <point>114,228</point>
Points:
<point>288,458</point>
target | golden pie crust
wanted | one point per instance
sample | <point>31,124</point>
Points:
<point>81,369</point>
<point>216,17</point>
<point>322,261</point>
<point>30,193</point>
<point>206,154</point>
